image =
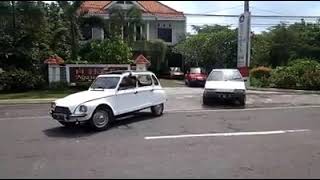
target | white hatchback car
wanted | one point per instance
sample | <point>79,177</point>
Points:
<point>109,96</point>
<point>225,84</point>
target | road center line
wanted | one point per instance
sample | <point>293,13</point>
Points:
<point>227,134</point>
<point>248,109</point>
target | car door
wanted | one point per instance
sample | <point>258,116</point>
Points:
<point>157,95</point>
<point>145,90</point>
<point>126,97</point>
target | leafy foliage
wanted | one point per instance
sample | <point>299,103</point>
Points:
<point>259,77</point>
<point>20,80</point>
<point>107,51</point>
<point>212,47</point>
<point>300,74</point>
<point>284,43</point>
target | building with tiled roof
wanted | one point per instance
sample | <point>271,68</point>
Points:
<point>159,20</point>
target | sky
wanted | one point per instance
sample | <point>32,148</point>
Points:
<point>296,8</point>
<point>286,8</point>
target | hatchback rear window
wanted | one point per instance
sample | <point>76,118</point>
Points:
<point>225,76</point>
<point>195,70</point>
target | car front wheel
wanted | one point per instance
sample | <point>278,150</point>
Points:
<point>157,110</point>
<point>205,100</point>
<point>101,119</point>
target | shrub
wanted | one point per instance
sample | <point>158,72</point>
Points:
<point>259,77</point>
<point>300,74</point>
<point>20,80</point>
<point>260,72</point>
<point>283,77</point>
<point>59,85</point>
<point>311,80</point>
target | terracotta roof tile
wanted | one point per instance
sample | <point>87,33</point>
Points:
<point>159,8</point>
<point>153,7</point>
<point>141,60</point>
<point>94,6</point>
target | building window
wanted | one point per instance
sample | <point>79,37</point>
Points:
<point>165,34</point>
<point>86,31</point>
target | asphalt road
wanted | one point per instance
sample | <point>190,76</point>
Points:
<point>192,141</point>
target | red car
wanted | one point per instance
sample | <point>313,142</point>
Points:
<point>196,76</point>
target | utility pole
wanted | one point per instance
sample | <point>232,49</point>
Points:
<point>248,30</point>
<point>246,6</point>
<point>244,32</point>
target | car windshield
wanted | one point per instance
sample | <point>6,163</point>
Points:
<point>225,76</point>
<point>105,83</point>
<point>175,69</point>
<point>195,70</point>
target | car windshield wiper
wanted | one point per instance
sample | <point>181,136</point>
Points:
<point>98,88</point>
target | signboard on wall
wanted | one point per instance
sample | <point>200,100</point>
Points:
<point>88,73</point>
<point>84,74</point>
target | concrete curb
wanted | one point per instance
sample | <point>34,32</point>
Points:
<point>284,90</point>
<point>26,101</point>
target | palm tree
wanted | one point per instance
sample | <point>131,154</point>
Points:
<point>122,22</point>
<point>70,10</point>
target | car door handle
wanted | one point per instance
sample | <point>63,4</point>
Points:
<point>152,90</point>
<point>136,92</point>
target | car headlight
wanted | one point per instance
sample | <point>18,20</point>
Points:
<point>239,91</point>
<point>53,105</point>
<point>83,108</point>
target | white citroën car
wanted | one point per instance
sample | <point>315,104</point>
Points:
<point>110,95</point>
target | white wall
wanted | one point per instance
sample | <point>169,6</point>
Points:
<point>97,33</point>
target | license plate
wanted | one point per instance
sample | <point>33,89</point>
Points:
<point>59,116</point>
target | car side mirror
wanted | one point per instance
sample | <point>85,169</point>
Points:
<point>245,80</point>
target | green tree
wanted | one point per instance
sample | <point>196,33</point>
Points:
<point>108,51</point>
<point>123,21</point>
<point>23,38</point>
<point>213,46</point>
<point>71,14</point>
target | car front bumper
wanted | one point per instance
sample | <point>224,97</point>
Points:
<point>67,117</point>
<point>223,95</point>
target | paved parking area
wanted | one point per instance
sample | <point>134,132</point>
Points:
<point>275,136</point>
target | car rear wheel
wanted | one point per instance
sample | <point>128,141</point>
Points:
<point>101,119</point>
<point>68,124</point>
<point>242,101</point>
<point>157,110</point>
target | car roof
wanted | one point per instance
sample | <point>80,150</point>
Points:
<point>124,73</point>
<point>225,70</point>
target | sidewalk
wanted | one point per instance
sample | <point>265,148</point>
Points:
<point>284,90</point>
<point>174,91</point>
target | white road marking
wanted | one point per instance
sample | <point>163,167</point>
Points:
<point>184,111</point>
<point>227,134</point>
<point>248,109</point>
<point>26,117</point>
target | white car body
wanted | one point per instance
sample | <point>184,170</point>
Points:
<point>225,88</point>
<point>119,101</point>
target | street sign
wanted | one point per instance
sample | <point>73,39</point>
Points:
<point>244,31</point>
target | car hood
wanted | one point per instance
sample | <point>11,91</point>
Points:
<point>225,85</point>
<point>73,100</point>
